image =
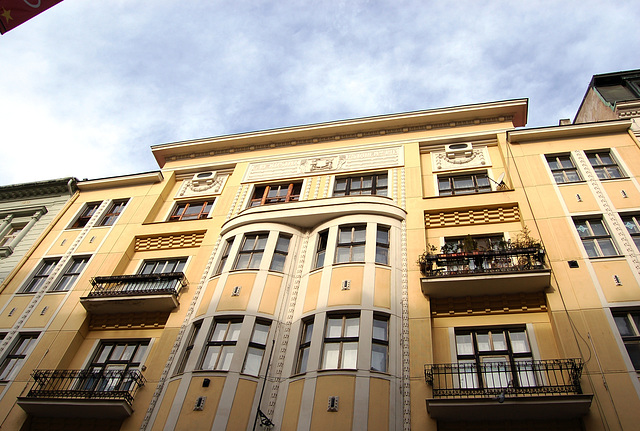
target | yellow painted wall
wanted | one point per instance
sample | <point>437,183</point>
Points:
<point>200,419</point>
<point>292,406</point>
<point>382,292</point>
<point>270,294</point>
<point>378,405</point>
<point>241,410</point>
<point>352,296</point>
<point>326,386</point>
<point>311,292</point>
<point>228,302</point>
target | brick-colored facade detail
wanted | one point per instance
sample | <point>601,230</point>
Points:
<point>163,242</point>
<point>472,216</point>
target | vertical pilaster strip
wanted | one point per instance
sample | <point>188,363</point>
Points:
<point>406,370</point>
<point>286,329</point>
<point>53,276</point>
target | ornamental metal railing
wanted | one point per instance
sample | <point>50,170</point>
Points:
<point>119,385</point>
<point>482,262</point>
<point>523,377</point>
<point>138,284</point>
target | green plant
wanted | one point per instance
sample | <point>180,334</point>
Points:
<point>430,251</point>
<point>525,240</point>
<point>469,244</point>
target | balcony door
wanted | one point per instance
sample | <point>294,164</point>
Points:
<point>114,366</point>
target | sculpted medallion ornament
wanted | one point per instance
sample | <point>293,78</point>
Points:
<point>445,161</point>
<point>210,184</point>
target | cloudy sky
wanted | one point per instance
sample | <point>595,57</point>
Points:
<point>88,86</point>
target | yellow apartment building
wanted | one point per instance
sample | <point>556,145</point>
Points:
<point>435,270</point>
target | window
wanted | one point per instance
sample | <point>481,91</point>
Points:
<point>382,245</point>
<point>11,235</point>
<point>341,342</point>
<point>257,346</point>
<point>280,253</point>
<point>251,252</point>
<point>563,169</point>
<point>595,237</point>
<point>189,348</point>
<point>628,323</point>
<point>275,194</point>
<point>321,249</point>
<point>374,184</point>
<point>632,223</point>
<point>305,345</point>
<point>71,274</point>
<point>380,344</point>
<point>221,344</point>
<point>604,165</point>
<point>164,266</point>
<point>191,210</point>
<point>494,358</point>
<point>351,240</point>
<point>113,213</point>
<point>86,215</point>
<point>113,363</point>
<point>472,243</point>
<point>41,275</point>
<point>463,184</point>
<point>225,255</point>
<point>21,348</point>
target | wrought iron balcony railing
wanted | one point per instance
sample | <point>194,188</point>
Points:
<point>120,385</point>
<point>138,284</point>
<point>504,379</point>
<point>482,262</point>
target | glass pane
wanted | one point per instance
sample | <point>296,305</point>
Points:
<point>495,372</point>
<point>334,328</point>
<point>499,342</point>
<point>303,361</point>
<point>260,334</point>
<point>590,247</point>
<point>352,327</point>
<point>380,329</point>
<point>566,162</point>
<point>483,181</point>
<point>104,354</point>
<point>379,357</point>
<point>218,331</point>
<point>234,331</point>
<point>464,344</point>
<point>277,264</point>
<point>128,352</point>
<point>308,332</point>
<point>117,352</point>
<point>180,265</point>
<point>483,342</point>
<point>330,355</point>
<point>443,184</point>
<point>343,254</point>
<point>261,242</point>
<point>357,253</point>
<point>597,227</point>
<point>382,181</point>
<point>572,176</point>
<point>256,258</point>
<point>210,357</point>
<point>282,244</point>
<point>519,342</point>
<point>382,236</point>
<point>243,261</point>
<point>526,374</point>
<point>367,182</point>
<point>631,226</point>
<point>601,173</point>
<point>614,172</point>
<point>607,247</point>
<point>341,185</point>
<point>382,255</point>
<point>320,259</point>
<point>634,354</point>
<point>559,177</point>
<point>636,318</point>
<point>359,233</point>
<point>226,355</point>
<point>344,236</point>
<point>624,326</point>
<point>253,361</point>
<point>462,182</point>
<point>553,164</point>
<point>350,355</point>
<point>141,351</point>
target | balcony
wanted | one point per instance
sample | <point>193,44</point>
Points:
<point>82,393</point>
<point>521,390</point>
<point>134,293</point>
<point>487,272</point>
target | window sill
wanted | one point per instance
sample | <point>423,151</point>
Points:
<point>569,183</point>
<point>468,194</point>
<point>615,257</point>
<point>614,179</point>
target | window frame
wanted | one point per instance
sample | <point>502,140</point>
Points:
<point>179,264</point>
<point>255,253</point>
<point>112,215</point>
<point>279,258</point>
<point>98,378</point>
<point>375,189</point>
<point>560,172</point>
<point>256,346</point>
<point>342,341</point>
<point>352,245</point>
<point>632,320</point>
<point>13,359</point>
<point>634,230</point>
<point>304,347</point>
<point>474,376</point>
<point>85,215</point>
<point>602,167</point>
<point>12,232</point>
<point>206,208</point>
<point>459,191</point>
<point>321,249</point>
<point>224,342</point>
<point>225,255</point>
<point>594,238</point>
<point>67,279</point>
<point>33,286</point>
<point>380,343</point>
<point>383,248</point>
<point>260,195</point>
<point>188,349</point>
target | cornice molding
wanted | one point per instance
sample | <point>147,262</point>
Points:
<point>569,131</point>
<point>514,111</point>
<point>23,191</point>
<point>123,181</point>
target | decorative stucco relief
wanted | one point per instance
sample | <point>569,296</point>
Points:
<point>195,187</point>
<point>447,161</point>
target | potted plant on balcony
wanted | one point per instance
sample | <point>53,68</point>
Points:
<point>425,259</point>
<point>526,243</point>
